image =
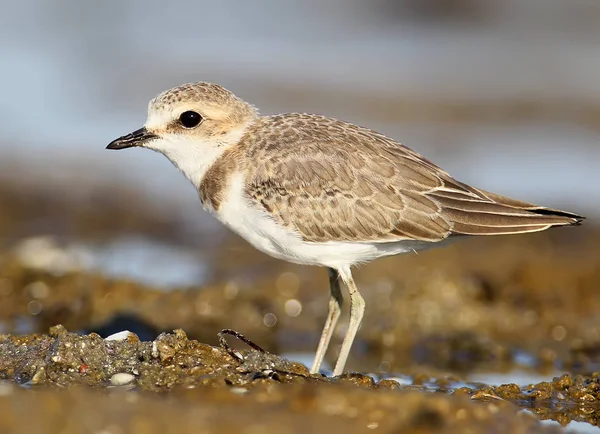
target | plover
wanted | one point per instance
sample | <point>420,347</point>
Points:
<point>315,190</point>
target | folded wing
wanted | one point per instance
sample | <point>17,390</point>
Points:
<point>342,182</point>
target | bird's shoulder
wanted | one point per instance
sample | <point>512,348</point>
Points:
<point>322,144</point>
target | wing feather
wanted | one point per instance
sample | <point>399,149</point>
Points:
<point>333,181</point>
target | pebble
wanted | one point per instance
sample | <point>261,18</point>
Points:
<point>121,379</point>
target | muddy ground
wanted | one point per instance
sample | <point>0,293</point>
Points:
<point>434,322</point>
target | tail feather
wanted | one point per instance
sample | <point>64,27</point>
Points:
<point>470,229</point>
<point>496,215</point>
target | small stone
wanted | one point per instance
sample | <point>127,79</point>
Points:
<point>57,331</point>
<point>121,379</point>
<point>388,384</point>
<point>39,376</point>
<point>238,390</point>
<point>165,352</point>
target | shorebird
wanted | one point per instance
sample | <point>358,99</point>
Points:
<point>314,190</point>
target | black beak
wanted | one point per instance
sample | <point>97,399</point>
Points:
<point>137,138</point>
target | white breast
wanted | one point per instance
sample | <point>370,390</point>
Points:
<point>257,227</point>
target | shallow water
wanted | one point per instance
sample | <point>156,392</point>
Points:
<point>140,259</point>
<point>574,427</point>
<point>520,377</point>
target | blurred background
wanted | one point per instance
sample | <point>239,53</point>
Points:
<point>503,94</point>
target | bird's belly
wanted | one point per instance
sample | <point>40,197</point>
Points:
<point>261,230</point>
<point>258,228</point>
<point>271,238</point>
<point>266,235</point>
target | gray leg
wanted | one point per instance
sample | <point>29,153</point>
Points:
<point>335,304</point>
<point>357,309</point>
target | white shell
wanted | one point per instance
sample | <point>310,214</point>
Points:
<point>121,379</point>
<point>119,336</point>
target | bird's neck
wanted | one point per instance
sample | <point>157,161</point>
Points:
<point>195,159</point>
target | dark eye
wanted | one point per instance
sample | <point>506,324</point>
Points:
<point>190,119</point>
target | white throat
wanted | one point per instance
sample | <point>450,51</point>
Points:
<point>195,157</point>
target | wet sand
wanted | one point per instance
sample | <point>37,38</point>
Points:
<point>437,325</point>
